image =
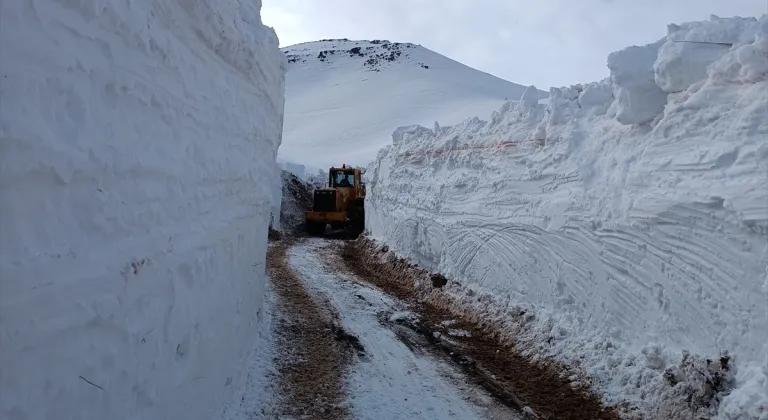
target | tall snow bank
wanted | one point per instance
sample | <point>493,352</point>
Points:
<point>632,253</point>
<point>138,144</point>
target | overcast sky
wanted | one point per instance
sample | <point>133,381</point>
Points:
<point>541,42</point>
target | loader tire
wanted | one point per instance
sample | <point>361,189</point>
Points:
<point>315,228</point>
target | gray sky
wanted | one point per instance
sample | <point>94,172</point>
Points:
<point>541,42</point>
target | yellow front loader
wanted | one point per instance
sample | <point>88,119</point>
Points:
<point>341,204</point>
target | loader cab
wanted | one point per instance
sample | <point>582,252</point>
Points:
<point>341,178</point>
<point>346,177</point>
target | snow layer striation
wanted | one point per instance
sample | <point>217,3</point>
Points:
<point>135,141</point>
<point>627,220</point>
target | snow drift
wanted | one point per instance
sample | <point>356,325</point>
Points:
<point>137,142</point>
<point>344,97</point>
<point>621,229</point>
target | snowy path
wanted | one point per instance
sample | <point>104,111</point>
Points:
<point>345,340</point>
<point>299,366</point>
<point>389,381</point>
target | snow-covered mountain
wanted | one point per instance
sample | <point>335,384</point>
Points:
<point>344,98</point>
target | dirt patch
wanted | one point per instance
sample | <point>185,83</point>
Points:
<point>315,352</point>
<point>274,235</point>
<point>512,378</point>
<point>350,339</point>
<point>427,337</point>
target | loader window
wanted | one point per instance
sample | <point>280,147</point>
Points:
<point>343,179</point>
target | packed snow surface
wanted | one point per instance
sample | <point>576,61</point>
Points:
<point>617,227</point>
<point>390,380</point>
<point>136,139</point>
<point>344,98</point>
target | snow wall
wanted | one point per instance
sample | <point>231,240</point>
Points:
<point>628,219</point>
<point>136,140</point>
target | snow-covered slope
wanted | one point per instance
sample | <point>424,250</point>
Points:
<point>619,227</point>
<point>135,138</point>
<point>344,98</point>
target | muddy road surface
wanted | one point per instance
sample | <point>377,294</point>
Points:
<point>352,341</point>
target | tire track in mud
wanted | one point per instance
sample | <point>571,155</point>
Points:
<point>314,351</point>
<point>511,378</point>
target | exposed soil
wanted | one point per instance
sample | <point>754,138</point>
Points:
<point>273,235</point>
<point>314,351</point>
<point>430,338</point>
<point>513,379</point>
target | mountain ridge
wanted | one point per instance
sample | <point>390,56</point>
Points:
<point>355,93</point>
